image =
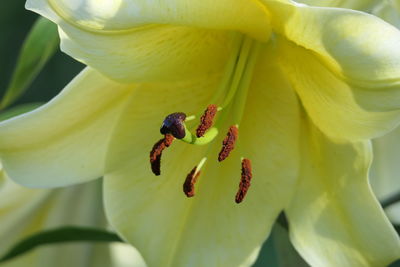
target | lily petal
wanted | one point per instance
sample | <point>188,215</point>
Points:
<point>26,211</point>
<point>136,41</point>
<point>385,169</point>
<point>124,255</point>
<point>358,47</point>
<point>115,15</point>
<point>64,141</point>
<point>353,4</point>
<point>345,66</point>
<point>335,220</point>
<point>159,53</point>
<point>154,215</point>
<point>340,109</point>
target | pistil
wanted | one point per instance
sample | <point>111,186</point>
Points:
<point>234,89</point>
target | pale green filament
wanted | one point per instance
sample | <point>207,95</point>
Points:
<point>200,165</point>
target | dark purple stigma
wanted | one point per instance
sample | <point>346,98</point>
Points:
<point>173,124</point>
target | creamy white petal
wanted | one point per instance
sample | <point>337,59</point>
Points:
<point>116,15</point>
<point>385,170</point>
<point>340,109</point>
<point>345,66</point>
<point>353,4</point>
<point>66,140</point>
<point>335,219</point>
<point>135,41</point>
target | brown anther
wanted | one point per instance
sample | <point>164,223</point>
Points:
<point>244,181</point>
<point>229,143</point>
<point>156,152</point>
<point>191,179</point>
<point>206,120</point>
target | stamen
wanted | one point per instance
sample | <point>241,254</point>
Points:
<point>156,152</point>
<point>229,143</point>
<point>244,181</point>
<point>191,179</point>
<point>173,124</point>
<point>206,120</point>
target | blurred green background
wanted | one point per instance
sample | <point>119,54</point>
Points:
<point>15,23</point>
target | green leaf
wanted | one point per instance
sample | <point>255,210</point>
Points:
<point>18,110</point>
<point>39,46</point>
<point>60,235</point>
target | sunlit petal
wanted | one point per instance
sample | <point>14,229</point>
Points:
<point>116,15</point>
<point>353,4</point>
<point>345,66</point>
<point>64,141</point>
<point>339,109</point>
<point>334,217</point>
<point>358,47</point>
<point>140,41</point>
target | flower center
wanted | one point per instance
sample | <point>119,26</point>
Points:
<point>233,90</point>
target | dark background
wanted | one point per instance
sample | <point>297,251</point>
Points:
<point>15,23</point>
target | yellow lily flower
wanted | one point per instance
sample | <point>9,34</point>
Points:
<point>306,86</point>
<point>363,5</point>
